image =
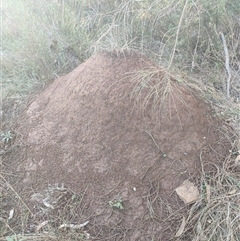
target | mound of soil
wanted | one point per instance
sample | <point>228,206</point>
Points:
<point>91,131</point>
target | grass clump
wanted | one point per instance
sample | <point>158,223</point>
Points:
<point>153,86</point>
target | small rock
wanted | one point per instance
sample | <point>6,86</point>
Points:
<point>187,192</point>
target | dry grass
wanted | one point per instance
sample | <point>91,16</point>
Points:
<point>57,214</point>
<point>155,89</point>
<point>216,215</point>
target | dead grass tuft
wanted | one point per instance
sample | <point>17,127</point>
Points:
<point>155,89</point>
<point>215,216</point>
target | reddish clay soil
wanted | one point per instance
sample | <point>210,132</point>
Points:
<point>88,130</point>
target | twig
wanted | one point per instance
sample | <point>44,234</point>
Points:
<point>177,34</point>
<point>226,64</point>
<point>154,141</point>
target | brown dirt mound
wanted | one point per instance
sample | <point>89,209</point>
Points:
<point>101,132</point>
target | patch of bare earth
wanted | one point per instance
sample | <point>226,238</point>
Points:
<point>91,131</point>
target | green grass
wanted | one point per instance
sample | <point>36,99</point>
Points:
<point>38,44</point>
<point>44,40</point>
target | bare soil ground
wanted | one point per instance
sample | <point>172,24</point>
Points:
<point>100,131</point>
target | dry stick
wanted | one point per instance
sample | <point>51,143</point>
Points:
<point>177,34</point>
<point>227,64</point>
